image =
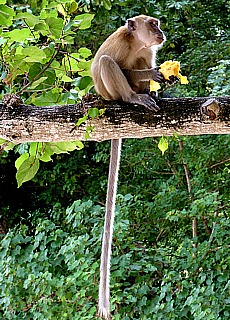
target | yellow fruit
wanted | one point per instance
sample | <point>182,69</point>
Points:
<point>168,68</point>
<point>154,86</point>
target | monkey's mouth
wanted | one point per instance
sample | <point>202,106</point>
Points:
<point>160,38</point>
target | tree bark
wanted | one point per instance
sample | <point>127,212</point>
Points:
<point>184,116</point>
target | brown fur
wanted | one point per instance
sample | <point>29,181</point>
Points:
<point>131,50</point>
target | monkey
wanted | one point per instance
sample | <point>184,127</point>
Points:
<point>121,70</point>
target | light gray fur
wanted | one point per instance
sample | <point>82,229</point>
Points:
<point>103,303</point>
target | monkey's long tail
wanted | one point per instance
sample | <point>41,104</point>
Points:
<point>104,290</point>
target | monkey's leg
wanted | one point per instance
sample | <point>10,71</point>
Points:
<point>104,290</point>
<point>118,87</point>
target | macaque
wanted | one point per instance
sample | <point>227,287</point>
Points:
<point>121,70</point>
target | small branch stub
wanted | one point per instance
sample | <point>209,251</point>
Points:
<point>210,109</point>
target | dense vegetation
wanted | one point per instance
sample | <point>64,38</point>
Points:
<point>52,225</point>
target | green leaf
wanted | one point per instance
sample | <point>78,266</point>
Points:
<point>163,144</point>
<point>79,145</point>
<point>89,129</point>
<point>27,170</point>
<point>35,149</point>
<point>85,67</point>
<point>48,98</point>
<point>2,41</point>
<point>84,20</point>
<point>23,157</point>
<point>55,26</point>
<point>71,62</point>
<point>84,52</point>
<point>6,14</point>
<point>61,10</point>
<point>42,27</point>
<point>33,54</point>
<point>37,82</point>
<point>30,19</point>
<point>65,78</point>
<point>84,82</point>
<point>62,147</point>
<point>93,112</point>
<point>81,120</point>
<point>2,141</point>
<point>47,153</point>
<point>18,34</point>
<point>50,74</point>
<point>73,7</point>
<point>8,145</point>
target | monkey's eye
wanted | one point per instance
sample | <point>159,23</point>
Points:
<point>154,23</point>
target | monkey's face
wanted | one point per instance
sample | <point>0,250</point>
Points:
<point>147,30</point>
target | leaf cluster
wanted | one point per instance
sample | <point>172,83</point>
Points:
<point>39,59</point>
<point>53,270</point>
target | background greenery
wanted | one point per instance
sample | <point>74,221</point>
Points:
<point>52,225</point>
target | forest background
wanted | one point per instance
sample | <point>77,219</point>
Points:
<point>51,226</point>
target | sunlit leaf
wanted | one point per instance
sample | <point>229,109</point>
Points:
<point>84,20</point>
<point>33,54</point>
<point>163,144</point>
<point>27,170</point>
<point>30,19</point>
<point>21,159</point>
<point>93,112</point>
<point>18,34</point>
<point>55,26</point>
<point>6,14</point>
<point>37,82</point>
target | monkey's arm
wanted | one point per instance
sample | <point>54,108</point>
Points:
<point>135,76</point>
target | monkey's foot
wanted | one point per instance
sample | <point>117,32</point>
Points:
<point>146,101</point>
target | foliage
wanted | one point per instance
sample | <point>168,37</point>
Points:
<point>218,78</point>
<point>27,164</point>
<point>53,270</point>
<point>49,257</point>
<point>37,52</point>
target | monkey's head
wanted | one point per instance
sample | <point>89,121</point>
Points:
<point>147,30</point>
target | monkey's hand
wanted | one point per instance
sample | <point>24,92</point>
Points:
<point>172,80</point>
<point>157,75</point>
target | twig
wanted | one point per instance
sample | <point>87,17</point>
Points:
<point>186,170</point>
<point>42,71</point>
<point>219,163</point>
<point>2,147</point>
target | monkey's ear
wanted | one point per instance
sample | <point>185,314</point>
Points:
<point>131,24</point>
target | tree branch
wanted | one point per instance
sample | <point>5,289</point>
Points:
<point>185,116</point>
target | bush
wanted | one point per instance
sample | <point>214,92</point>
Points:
<point>52,272</point>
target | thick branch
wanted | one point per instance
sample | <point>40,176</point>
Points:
<point>187,116</point>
